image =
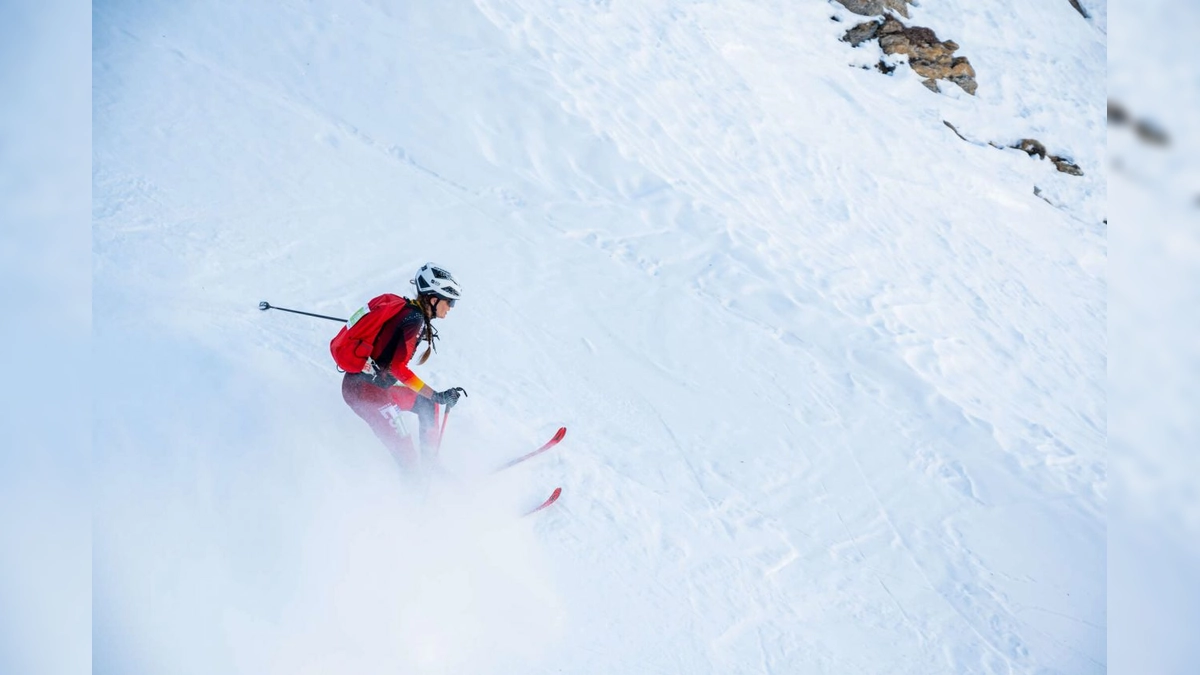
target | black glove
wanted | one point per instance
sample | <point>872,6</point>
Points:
<point>449,397</point>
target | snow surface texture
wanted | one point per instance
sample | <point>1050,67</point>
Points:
<point>835,379</point>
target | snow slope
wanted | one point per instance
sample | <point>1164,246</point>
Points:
<point>834,377</point>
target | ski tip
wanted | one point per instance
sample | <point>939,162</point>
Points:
<point>549,500</point>
<point>558,435</point>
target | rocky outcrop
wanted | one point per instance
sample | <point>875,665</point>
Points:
<point>1031,147</point>
<point>1066,166</point>
<point>930,57</point>
<point>1034,148</point>
<point>1147,131</point>
<point>934,60</point>
<point>878,7</point>
<point>863,32</point>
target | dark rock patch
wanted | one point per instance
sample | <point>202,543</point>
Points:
<point>863,32</point>
<point>1151,133</point>
<point>1031,147</point>
<point>1066,166</point>
<point>1117,114</point>
<point>1035,148</point>
<point>931,58</point>
<point>876,7</point>
<point>1146,131</point>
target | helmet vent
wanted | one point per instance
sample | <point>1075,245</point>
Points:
<point>432,279</point>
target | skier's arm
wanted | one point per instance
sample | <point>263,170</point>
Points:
<point>407,378</point>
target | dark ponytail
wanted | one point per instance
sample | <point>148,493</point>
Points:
<point>428,334</point>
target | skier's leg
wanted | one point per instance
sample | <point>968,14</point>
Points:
<point>426,412</point>
<point>376,407</point>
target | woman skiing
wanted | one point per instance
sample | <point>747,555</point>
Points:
<point>387,388</point>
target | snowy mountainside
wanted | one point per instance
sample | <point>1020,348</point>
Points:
<point>834,377</point>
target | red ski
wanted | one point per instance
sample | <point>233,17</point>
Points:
<point>558,436</point>
<point>549,500</point>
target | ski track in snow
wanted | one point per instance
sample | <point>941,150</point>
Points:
<point>834,378</point>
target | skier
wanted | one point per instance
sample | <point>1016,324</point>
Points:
<point>388,388</point>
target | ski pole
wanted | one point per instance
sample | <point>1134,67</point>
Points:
<point>264,306</point>
<point>442,431</point>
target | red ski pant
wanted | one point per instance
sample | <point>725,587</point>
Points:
<point>382,409</point>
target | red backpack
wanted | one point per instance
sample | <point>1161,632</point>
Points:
<point>355,343</point>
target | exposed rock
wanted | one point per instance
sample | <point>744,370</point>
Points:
<point>1034,148</point>
<point>931,85</point>
<point>1117,114</point>
<point>1146,131</point>
<point>876,7</point>
<point>962,74</point>
<point>863,32</point>
<point>928,56</point>
<point>955,130</point>
<point>1037,192</point>
<point>1066,166</point>
<point>1031,147</point>
<point>885,67</point>
<point>1150,133</point>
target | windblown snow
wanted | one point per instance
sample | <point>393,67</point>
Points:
<point>834,377</point>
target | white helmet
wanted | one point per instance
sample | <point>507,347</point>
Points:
<point>433,280</point>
